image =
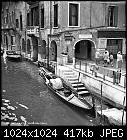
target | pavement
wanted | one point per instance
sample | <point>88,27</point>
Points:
<point>108,67</point>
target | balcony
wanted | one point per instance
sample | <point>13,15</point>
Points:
<point>33,31</point>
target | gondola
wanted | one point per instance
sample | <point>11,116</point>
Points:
<point>13,56</point>
<point>62,90</point>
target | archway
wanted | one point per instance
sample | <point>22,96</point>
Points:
<point>42,50</point>
<point>28,46</point>
<point>6,42</point>
<point>23,45</point>
<point>53,51</point>
<point>84,50</point>
<point>35,48</point>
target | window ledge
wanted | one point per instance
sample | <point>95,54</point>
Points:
<point>73,26</point>
<point>55,27</point>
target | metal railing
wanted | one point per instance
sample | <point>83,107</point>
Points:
<point>115,77</point>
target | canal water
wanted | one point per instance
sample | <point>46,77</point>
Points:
<point>27,101</point>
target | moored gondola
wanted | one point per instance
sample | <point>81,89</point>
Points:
<point>60,88</point>
<point>13,56</point>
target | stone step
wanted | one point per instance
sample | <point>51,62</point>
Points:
<point>72,79</point>
<point>68,73</point>
<point>83,92</point>
<point>74,82</point>
<point>77,84</point>
<point>71,76</point>
<point>80,89</point>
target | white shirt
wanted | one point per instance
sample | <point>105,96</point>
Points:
<point>119,57</point>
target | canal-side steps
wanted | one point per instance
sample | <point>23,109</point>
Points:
<point>113,115</point>
<point>72,78</point>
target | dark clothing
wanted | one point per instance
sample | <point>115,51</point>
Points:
<point>117,77</point>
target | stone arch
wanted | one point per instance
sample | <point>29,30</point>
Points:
<point>23,45</point>
<point>35,48</point>
<point>42,50</point>
<point>53,51</point>
<point>84,49</point>
<point>28,46</point>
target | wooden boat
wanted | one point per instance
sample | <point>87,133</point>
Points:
<point>63,91</point>
<point>13,55</point>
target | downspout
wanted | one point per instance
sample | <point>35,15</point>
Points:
<point>25,28</point>
<point>49,35</point>
<point>39,46</point>
<point>90,12</point>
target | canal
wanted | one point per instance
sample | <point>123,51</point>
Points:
<point>27,101</point>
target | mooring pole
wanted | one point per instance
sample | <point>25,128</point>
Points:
<point>101,101</point>
<point>123,109</point>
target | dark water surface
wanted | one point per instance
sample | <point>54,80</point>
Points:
<point>27,101</point>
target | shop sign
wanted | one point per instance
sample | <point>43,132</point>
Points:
<point>85,35</point>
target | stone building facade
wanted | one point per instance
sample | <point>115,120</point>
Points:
<point>13,18</point>
<point>80,28</point>
<point>52,29</point>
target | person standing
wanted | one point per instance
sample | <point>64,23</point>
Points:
<point>97,56</point>
<point>106,57</point>
<point>111,59</point>
<point>119,60</point>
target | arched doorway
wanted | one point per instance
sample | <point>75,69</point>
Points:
<point>84,50</point>
<point>23,45</point>
<point>28,46</point>
<point>35,48</point>
<point>53,51</point>
<point>6,42</point>
<point>42,50</point>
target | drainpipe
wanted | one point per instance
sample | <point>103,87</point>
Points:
<point>90,12</point>
<point>39,5</point>
<point>49,35</point>
<point>26,28</point>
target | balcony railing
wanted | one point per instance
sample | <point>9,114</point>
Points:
<point>33,30</point>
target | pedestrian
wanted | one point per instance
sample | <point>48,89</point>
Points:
<point>118,76</point>
<point>111,59</point>
<point>106,57</point>
<point>119,61</point>
<point>97,56</point>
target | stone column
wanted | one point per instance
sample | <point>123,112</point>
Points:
<point>73,57</point>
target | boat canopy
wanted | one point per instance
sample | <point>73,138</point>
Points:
<point>57,83</point>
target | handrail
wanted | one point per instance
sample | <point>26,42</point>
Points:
<point>96,78</point>
<point>86,64</point>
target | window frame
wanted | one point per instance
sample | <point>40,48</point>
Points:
<point>42,9</point>
<point>55,17</point>
<point>78,13</point>
<point>115,16</point>
<point>17,22</point>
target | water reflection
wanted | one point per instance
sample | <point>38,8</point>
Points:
<point>8,113</point>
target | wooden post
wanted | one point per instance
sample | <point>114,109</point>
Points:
<point>101,101</point>
<point>123,110</point>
